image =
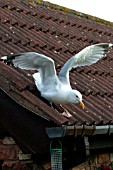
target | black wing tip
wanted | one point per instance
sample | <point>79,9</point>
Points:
<point>13,56</point>
<point>106,46</point>
<point>9,58</point>
<point>4,58</point>
<point>109,45</point>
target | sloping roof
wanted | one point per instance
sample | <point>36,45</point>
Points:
<point>58,35</point>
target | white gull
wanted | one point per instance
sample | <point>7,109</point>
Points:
<point>57,89</point>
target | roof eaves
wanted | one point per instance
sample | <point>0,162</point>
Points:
<point>18,87</point>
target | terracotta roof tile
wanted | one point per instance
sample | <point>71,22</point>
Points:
<point>59,35</point>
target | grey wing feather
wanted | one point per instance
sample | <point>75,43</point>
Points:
<point>87,56</point>
<point>36,61</point>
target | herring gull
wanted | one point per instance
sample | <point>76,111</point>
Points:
<point>57,89</point>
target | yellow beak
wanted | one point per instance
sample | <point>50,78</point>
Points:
<point>82,105</point>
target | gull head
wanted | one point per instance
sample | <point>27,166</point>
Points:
<point>77,98</point>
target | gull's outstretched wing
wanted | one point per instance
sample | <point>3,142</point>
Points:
<point>34,61</point>
<point>87,56</point>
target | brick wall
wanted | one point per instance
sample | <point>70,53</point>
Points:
<point>83,166</point>
<point>12,158</point>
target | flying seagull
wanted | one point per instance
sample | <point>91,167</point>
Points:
<point>57,89</point>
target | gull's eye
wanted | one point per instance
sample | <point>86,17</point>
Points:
<point>76,96</point>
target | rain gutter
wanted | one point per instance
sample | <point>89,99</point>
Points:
<point>83,130</point>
